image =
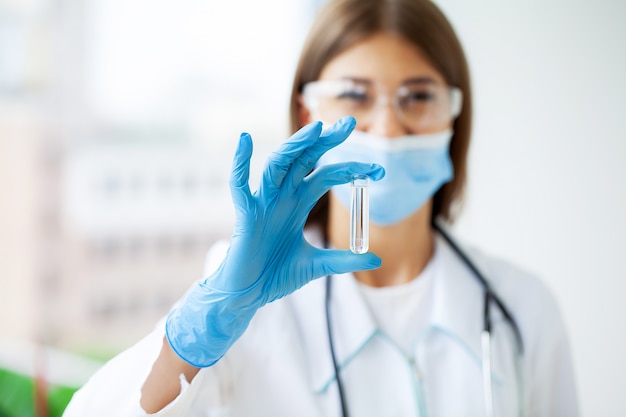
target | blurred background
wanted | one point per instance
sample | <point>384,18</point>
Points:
<point>118,120</point>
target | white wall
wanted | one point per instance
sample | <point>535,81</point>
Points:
<point>547,185</point>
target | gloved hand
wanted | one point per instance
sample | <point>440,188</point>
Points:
<point>268,256</point>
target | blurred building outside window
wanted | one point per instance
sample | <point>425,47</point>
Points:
<point>118,121</point>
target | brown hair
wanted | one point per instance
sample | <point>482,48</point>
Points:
<point>342,23</point>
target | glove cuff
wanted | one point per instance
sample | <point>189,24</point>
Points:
<point>207,322</point>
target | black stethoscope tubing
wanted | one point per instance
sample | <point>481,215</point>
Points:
<point>342,397</point>
<point>489,296</point>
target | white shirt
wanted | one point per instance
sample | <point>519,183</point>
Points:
<point>282,367</point>
<point>397,308</point>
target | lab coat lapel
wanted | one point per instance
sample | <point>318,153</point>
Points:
<point>351,321</point>
<point>459,305</point>
<point>458,301</point>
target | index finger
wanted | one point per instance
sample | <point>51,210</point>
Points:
<point>280,161</point>
<point>331,136</point>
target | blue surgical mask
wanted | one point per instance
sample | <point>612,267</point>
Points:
<point>416,166</point>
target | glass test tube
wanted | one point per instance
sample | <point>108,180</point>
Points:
<point>360,215</point>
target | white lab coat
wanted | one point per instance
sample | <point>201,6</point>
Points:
<point>281,366</point>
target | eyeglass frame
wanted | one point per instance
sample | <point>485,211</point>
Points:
<point>310,102</point>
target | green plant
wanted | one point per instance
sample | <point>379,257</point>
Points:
<point>17,396</point>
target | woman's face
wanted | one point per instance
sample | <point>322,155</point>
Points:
<point>387,66</point>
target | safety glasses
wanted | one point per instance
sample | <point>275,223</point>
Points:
<point>419,104</point>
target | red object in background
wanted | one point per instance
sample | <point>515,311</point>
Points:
<point>41,384</point>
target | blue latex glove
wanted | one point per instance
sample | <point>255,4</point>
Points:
<point>268,256</point>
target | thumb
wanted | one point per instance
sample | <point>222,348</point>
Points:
<point>336,261</point>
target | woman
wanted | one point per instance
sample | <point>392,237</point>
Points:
<point>393,332</point>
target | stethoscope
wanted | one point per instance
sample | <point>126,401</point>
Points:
<point>489,298</point>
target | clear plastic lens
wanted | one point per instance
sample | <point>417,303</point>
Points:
<point>417,104</point>
<point>360,215</point>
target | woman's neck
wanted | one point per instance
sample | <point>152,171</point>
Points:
<point>405,248</point>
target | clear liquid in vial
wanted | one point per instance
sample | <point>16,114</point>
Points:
<point>360,215</point>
